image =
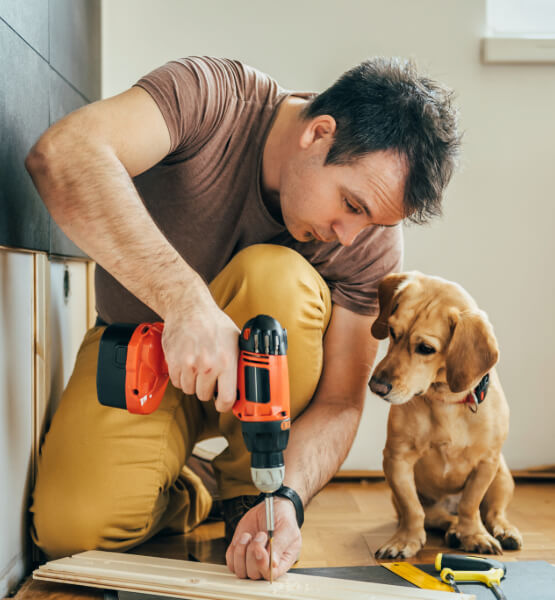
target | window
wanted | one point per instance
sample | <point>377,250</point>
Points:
<point>521,17</point>
<point>520,31</point>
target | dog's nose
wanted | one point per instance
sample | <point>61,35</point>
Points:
<point>380,387</point>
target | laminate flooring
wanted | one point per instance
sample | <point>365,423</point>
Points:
<point>344,525</point>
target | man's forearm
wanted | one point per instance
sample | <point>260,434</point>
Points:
<point>319,443</point>
<point>323,434</point>
<point>92,198</point>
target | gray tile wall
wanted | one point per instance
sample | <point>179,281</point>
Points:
<point>49,66</point>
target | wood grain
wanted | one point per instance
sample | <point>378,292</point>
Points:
<point>204,581</point>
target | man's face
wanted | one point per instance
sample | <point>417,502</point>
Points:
<point>336,202</point>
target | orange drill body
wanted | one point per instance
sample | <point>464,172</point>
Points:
<point>131,360</point>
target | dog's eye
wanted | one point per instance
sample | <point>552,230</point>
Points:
<point>425,349</point>
<point>392,333</point>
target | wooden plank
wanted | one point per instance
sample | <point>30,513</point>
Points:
<point>203,581</point>
<point>41,364</point>
<point>41,379</point>
<point>91,308</point>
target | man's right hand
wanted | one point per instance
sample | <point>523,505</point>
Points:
<point>201,346</point>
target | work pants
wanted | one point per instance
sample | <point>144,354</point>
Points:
<point>109,480</point>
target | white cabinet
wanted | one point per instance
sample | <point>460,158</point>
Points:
<point>67,322</point>
<point>16,411</point>
<point>43,317</point>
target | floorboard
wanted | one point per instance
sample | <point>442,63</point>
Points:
<point>344,525</point>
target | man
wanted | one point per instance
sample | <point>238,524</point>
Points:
<point>287,204</point>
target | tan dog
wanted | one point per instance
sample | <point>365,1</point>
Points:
<point>438,450</point>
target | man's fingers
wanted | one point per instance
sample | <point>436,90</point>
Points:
<point>227,388</point>
<point>205,386</point>
<point>257,557</point>
<point>283,563</point>
<point>285,555</point>
<point>238,555</point>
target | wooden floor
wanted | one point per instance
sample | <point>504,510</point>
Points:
<point>344,525</point>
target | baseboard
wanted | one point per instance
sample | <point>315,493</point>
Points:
<point>546,472</point>
<point>12,575</point>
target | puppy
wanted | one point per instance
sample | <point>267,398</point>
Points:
<point>446,424</point>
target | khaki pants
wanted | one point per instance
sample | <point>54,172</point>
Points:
<point>109,480</point>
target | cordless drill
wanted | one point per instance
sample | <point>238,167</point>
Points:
<point>132,374</point>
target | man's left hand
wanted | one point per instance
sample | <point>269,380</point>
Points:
<point>248,554</point>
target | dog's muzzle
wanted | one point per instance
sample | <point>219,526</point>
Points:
<point>380,387</point>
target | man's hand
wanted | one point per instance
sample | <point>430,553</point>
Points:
<point>248,555</point>
<point>201,346</point>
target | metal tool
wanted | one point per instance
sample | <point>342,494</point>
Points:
<point>469,569</point>
<point>132,374</point>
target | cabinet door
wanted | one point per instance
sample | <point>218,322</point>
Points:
<point>68,321</point>
<point>16,410</point>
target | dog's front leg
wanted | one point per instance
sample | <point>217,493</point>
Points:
<point>469,531</point>
<point>410,535</point>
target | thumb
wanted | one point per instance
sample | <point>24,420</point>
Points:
<point>285,553</point>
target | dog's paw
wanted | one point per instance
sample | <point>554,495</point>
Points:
<point>403,544</point>
<point>472,538</point>
<point>480,543</point>
<point>452,539</point>
<point>509,537</point>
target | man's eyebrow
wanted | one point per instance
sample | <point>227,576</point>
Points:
<point>361,202</point>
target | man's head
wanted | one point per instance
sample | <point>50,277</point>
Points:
<point>382,139</point>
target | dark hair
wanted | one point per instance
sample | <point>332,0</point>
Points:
<point>383,104</point>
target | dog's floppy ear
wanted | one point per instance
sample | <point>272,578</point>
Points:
<point>386,293</point>
<point>472,351</point>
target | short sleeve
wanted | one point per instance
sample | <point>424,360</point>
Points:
<point>357,289</point>
<point>195,95</point>
<point>353,273</point>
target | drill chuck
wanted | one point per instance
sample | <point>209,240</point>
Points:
<point>268,480</point>
<point>266,442</point>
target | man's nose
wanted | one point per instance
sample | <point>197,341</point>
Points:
<point>346,232</point>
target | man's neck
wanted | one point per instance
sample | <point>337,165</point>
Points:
<point>279,144</point>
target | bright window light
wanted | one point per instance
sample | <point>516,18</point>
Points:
<point>527,18</point>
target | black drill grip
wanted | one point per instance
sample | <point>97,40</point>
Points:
<point>457,562</point>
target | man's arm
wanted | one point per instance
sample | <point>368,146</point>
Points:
<point>320,440</point>
<point>82,167</point>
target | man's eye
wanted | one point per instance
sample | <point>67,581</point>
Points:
<point>425,349</point>
<point>351,207</point>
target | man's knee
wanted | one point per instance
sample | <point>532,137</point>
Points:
<point>70,519</point>
<point>280,277</point>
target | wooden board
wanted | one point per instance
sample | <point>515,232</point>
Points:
<point>185,579</point>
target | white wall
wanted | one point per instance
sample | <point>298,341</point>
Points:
<point>495,237</point>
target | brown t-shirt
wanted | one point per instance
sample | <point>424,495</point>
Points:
<point>205,195</point>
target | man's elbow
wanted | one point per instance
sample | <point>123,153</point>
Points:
<point>40,159</point>
<point>47,163</point>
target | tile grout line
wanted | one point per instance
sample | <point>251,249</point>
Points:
<point>44,59</point>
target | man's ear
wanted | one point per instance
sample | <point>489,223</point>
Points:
<point>316,129</point>
<point>386,295</point>
<point>472,351</point>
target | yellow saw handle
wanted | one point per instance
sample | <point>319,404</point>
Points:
<point>490,578</point>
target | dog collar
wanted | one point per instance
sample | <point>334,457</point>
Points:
<point>477,395</point>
